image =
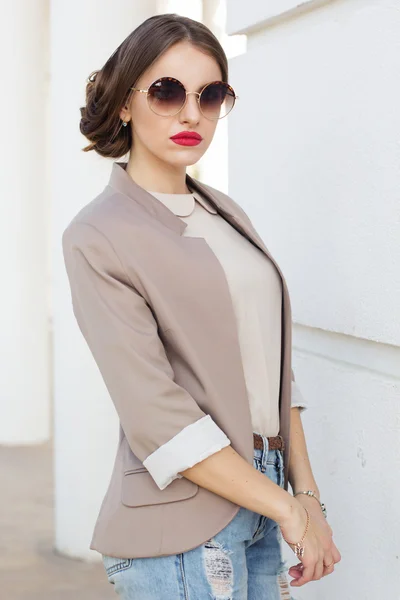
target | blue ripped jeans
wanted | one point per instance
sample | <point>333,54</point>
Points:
<point>241,562</point>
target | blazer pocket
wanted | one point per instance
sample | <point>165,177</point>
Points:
<point>140,489</point>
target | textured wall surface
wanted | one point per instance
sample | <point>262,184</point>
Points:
<point>314,155</point>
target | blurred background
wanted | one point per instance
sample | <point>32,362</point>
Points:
<point>312,153</point>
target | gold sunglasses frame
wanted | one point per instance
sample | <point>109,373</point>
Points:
<point>198,94</point>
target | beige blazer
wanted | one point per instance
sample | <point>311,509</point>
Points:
<point>156,312</point>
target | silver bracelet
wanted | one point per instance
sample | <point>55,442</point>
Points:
<point>313,495</point>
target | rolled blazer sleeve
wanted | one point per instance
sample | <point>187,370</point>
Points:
<point>297,398</point>
<point>164,426</point>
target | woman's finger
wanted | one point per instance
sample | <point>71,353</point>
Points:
<point>336,554</point>
<point>329,565</point>
<point>296,570</point>
<point>306,576</point>
<point>319,570</point>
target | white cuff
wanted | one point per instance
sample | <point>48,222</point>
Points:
<point>191,445</point>
<point>297,398</point>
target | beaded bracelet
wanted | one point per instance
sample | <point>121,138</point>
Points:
<point>299,546</point>
<point>312,494</point>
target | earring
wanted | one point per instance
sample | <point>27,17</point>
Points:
<point>124,123</point>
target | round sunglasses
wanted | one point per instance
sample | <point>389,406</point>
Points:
<point>167,96</point>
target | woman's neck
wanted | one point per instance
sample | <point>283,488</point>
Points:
<point>157,177</point>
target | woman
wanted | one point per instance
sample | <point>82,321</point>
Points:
<point>188,318</point>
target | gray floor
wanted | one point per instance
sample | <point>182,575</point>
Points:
<point>29,567</point>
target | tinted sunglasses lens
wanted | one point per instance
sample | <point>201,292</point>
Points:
<point>217,100</point>
<point>166,96</point>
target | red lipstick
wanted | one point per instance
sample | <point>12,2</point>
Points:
<point>187,138</point>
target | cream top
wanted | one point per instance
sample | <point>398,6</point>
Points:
<point>256,293</point>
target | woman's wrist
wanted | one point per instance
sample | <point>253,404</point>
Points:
<point>288,510</point>
<point>304,483</point>
<point>304,488</point>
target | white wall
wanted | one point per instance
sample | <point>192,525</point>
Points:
<point>85,421</point>
<point>314,158</point>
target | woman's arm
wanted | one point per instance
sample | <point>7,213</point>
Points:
<point>157,415</point>
<point>229,475</point>
<point>302,478</point>
<point>300,473</point>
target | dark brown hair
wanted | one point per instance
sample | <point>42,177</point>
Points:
<point>107,90</point>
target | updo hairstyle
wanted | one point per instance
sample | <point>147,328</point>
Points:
<point>108,89</point>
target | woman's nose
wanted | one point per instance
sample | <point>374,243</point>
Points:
<point>191,111</point>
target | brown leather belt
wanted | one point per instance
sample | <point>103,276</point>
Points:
<point>275,442</point>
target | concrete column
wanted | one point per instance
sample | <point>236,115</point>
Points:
<point>192,9</point>
<point>213,166</point>
<point>83,36</point>
<point>24,339</point>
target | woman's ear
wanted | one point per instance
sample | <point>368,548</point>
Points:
<point>125,114</point>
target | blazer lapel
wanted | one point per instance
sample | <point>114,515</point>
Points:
<point>122,182</point>
<point>244,227</point>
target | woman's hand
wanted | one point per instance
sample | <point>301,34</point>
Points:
<point>332,554</point>
<point>320,549</point>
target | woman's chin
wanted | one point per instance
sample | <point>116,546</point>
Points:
<point>184,161</point>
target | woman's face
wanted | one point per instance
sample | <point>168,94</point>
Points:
<point>151,132</point>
